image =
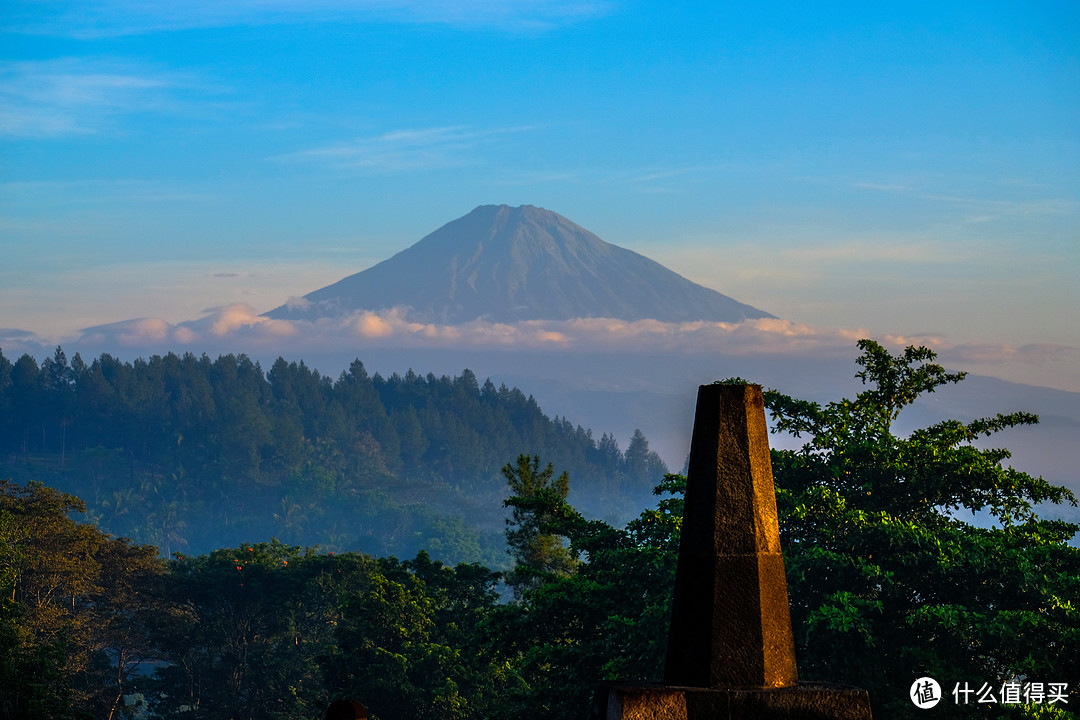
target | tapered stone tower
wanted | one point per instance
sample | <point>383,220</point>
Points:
<point>730,650</point>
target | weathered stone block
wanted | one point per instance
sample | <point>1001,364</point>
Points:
<point>731,622</point>
<point>805,701</point>
<point>731,653</point>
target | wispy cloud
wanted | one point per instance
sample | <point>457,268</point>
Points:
<point>999,354</point>
<point>982,206</point>
<point>129,17</point>
<point>879,250</point>
<point>751,267</point>
<point>885,187</point>
<point>97,191</point>
<point>408,149</point>
<point>70,96</point>
<point>648,179</point>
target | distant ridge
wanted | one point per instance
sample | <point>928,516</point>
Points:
<point>507,264</point>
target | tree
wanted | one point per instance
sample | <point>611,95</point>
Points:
<point>642,466</point>
<point>607,620</point>
<point>411,644</point>
<point>537,552</point>
<point>26,402</point>
<point>59,385</point>
<point>887,582</point>
<point>74,607</point>
<point>248,628</point>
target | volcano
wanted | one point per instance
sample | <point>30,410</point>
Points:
<point>508,264</point>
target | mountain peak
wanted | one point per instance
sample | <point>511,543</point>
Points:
<point>505,264</point>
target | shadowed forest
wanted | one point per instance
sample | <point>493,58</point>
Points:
<point>887,581</point>
<point>192,454</point>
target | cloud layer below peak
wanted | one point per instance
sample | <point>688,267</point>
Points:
<point>239,328</point>
<point>240,324</point>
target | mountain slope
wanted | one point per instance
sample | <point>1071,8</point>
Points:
<point>504,264</point>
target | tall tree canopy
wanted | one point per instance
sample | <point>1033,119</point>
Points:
<point>889,580</point>
<point>892,575</point>
<point>75,606</point>
<point>537,553</point>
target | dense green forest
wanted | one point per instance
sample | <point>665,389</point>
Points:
<point>887,581</point>
<point>193,454</point>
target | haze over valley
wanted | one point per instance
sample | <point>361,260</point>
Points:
<point>603,204</point>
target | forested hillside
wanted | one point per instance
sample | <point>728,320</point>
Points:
<point>193,454</point>
<point>886,580</point>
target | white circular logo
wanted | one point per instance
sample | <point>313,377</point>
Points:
<point>925,693</point>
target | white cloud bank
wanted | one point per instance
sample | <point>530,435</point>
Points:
<point>239,328</point>
<point>240,324</point>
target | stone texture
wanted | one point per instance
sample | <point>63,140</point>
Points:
<point>805,701</point>
<point>731,622</point>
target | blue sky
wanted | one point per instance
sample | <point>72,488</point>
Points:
<point>909,170</point>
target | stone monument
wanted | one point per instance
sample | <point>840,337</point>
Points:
<point>731,654</point>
